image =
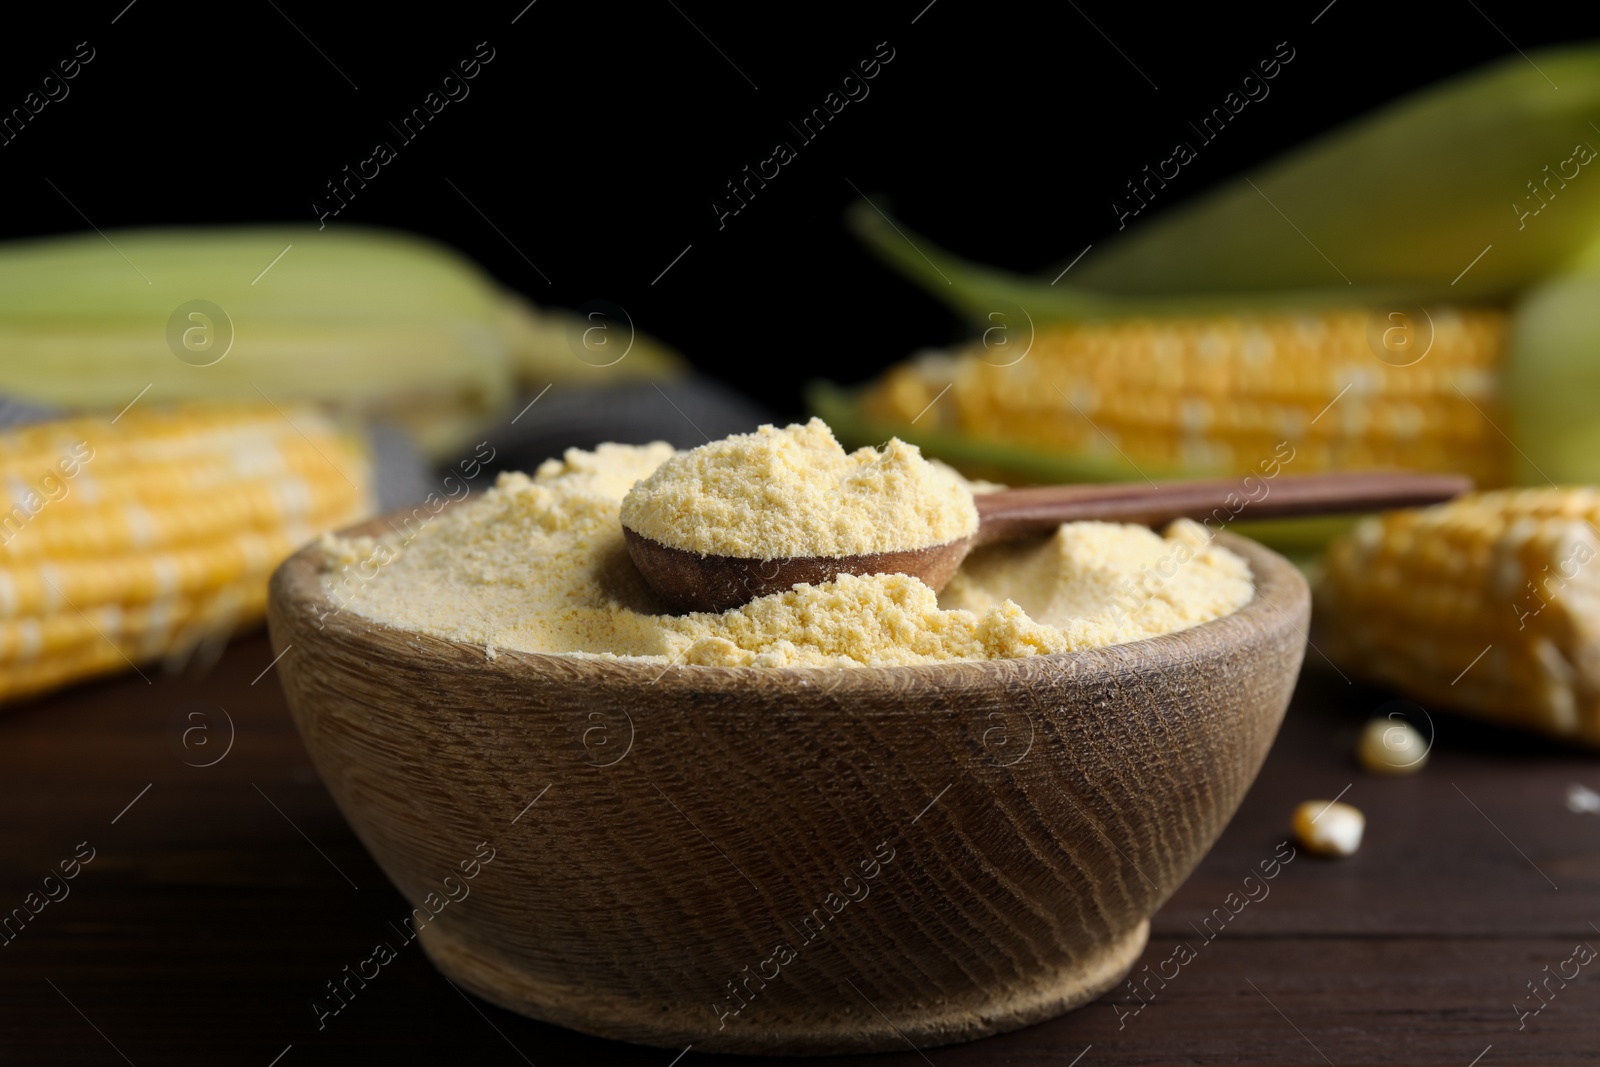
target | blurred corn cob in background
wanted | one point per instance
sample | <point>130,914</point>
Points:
<point>147,538</point>
<point>233,354</point>
<point>1216,395</point>
<point>1489,605</point>
<point>372,323</point>
<point>1192,342</point>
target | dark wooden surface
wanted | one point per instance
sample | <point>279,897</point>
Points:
<point>222,900</point>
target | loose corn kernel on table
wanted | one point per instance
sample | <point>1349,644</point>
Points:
<point>220,899</point>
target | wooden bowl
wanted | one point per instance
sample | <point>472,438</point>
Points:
<point>787,861</point>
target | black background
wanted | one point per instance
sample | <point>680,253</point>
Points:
<point>598,136</point>
<point>595,142</point>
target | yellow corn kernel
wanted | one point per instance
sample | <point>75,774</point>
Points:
<point>1391,746</point>
<point>1328,828</point>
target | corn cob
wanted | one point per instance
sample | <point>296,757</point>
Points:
<point>374,323</point>
<point>1484,156</point>
<point>1489,605</point>
<point>1217,395</point>
<point>139,540</point>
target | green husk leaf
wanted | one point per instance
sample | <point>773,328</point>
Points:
<point>1406,195</point>
<point>374,323</point>
<point>1392,207</point>
<point>1552,379</point>
<point>979,291</point>
<point>371,322</point>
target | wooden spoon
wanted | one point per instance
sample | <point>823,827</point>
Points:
<point>694,582</point>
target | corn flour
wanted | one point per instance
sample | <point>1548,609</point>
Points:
<point>538,564</point>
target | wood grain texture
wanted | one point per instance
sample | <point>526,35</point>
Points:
<point>946,851</point>
<point>207,925</point>
<point>1026,512</point>
<point>692,582</point>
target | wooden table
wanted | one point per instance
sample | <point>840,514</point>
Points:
<point>220,898</point>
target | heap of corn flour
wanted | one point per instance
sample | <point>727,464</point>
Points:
<point>538,563</point>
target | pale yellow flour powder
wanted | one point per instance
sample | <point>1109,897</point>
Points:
<point>795,492</point>
<point>539,564</point>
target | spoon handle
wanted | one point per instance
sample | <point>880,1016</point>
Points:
<point>1016,513</point>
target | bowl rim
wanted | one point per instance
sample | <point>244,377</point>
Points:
<point>1281,597</point>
